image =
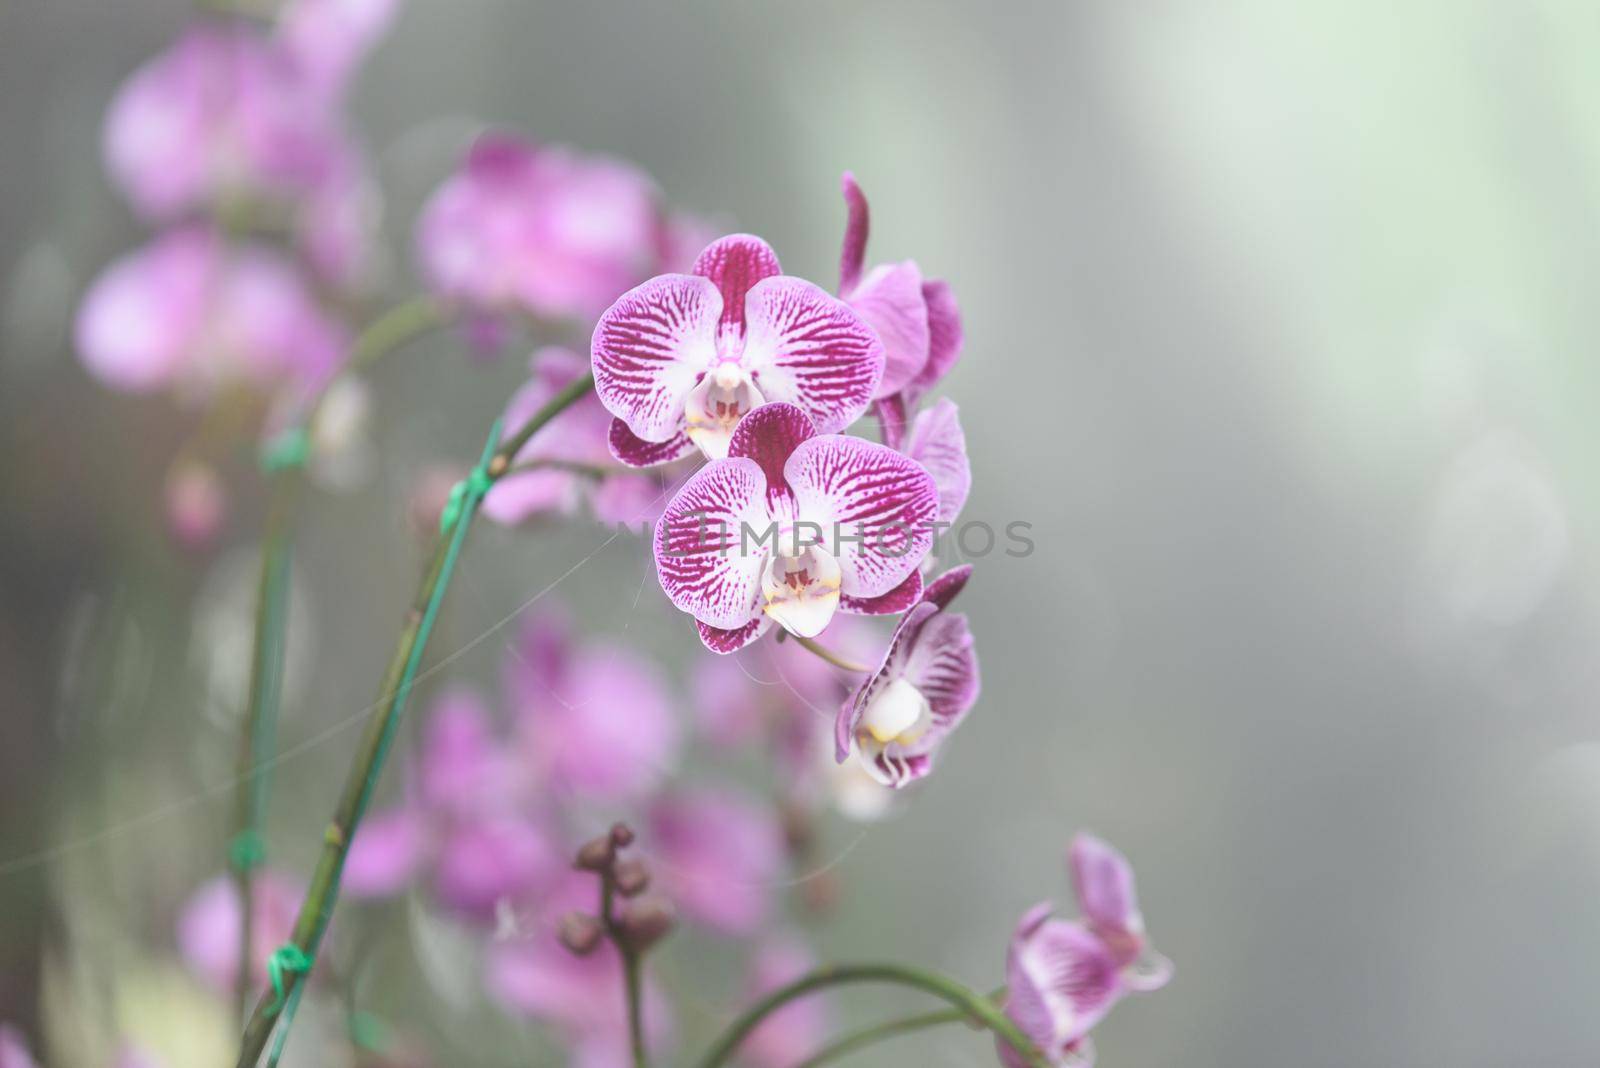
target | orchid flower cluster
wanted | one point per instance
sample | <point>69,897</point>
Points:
<point>557,822</point>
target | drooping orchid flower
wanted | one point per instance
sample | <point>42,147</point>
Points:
<point>791,527</point>
<point>923,688</point>
<point>1064,976</point>
<point>917,318</point>
<point>680,359</point>
<point>538,229</point>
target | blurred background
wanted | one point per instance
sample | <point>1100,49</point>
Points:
<point>1280,334</point>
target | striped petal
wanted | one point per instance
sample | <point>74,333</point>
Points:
<point>809,349</point>
<point>734,264</point>
<point>707,563</point>
<point>938,444</point>
<point>650,348</point>
<point>877,507</point>
<point>890,299</point>
<point>719,640</point>
<point>1059,972</point>
<point>629,448</point>
<point>769,435</point>
<point>857,224</point>
<point>945,337</point>
<point>897,600</point>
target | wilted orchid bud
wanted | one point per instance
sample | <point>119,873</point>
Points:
<point>645,922</point>
<point>621,835</point>
<point>580,932</point>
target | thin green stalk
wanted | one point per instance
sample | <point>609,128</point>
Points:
<point>362,779</point>
<point>403,323</point>
<point>632,971</point>
<point>246,850</point>
<point>971,1003</point>
<point>869,1036</point>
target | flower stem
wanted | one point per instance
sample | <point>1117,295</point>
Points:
<point>813,646</point>
<point>403,323</point>
<point>868,1036</point>
<point>362,779</point>
<point>971,1004</point>
<point>632,971</point>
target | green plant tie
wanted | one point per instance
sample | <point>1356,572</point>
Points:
<point>287,959</point>
<point>288,450</point>
<point>247,850</point>
<point>474,486</point>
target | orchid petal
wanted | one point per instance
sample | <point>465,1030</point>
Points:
<point>897,600</point>
<point>723,641</point>
<point>734,264</point>
<point>857,225</point>
<point>892,418</point>
<point>629,448</point>
<point>701,560</point>
<point>1069,971</point>
<point>942,664</point>
<point>877,505</point>
<point>1103,880</point>
<point>945,336</point>
<point>944,589</point>
<point>938,444</point>
<point>650,347</point>
<point>890,299</point>
<point>385,853</point>
<point>807,348</point>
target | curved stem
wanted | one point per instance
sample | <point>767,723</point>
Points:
<point>971,1004</point>
<point>399,325</point>
<point>868,1036</point>
<point>362,779</point>
<point>811,645</point>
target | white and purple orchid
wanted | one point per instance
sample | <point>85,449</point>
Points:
<point>791,527</point>
<point>680,359</point>
<point>1064,976</point>
<point>923,688</point>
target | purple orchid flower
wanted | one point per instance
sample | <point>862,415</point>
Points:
<point>917,318</point>
<point>328,39</point>
<point>679,359</point>
<point>189,311</point>
<point>1063,976</point>
<point>719,856</point>
<point>792,526</point>
<point>575,437</point>
<point>224,113</point>
<point>208,926</point>
<point>538,229</point>
<point>923,688</point>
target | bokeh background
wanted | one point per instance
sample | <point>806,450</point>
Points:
<point>1281,328</point>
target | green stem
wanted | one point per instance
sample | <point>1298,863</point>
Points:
<point>632,971</point>
<point>869,1036</point>
<point>362,778</point>
<point>261,713</point>
<point>403,323</point>
<point>972,1005</point>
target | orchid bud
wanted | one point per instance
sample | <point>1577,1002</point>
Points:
<point>580,933</point>
<point>631,877</point>
<point>645,922</point>
<point>596,855</point>
<point>621,835</point>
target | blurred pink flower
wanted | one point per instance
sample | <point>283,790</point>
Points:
<point>789,1035</point>
<point>14,1051</point>
<point>189,311</point>
<point>538,229</point>
<point>1062,976</point>
<point>719,856</point>
<point>473,821</point>
<point>328,39</point>
<point>224,113</point>
<point>575,438</point>
<point>208,926</point>
<point>582,997</point>
<point>596,722</point>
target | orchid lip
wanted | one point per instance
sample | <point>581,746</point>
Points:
<point>801,592</point>
<point>716,404</point>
